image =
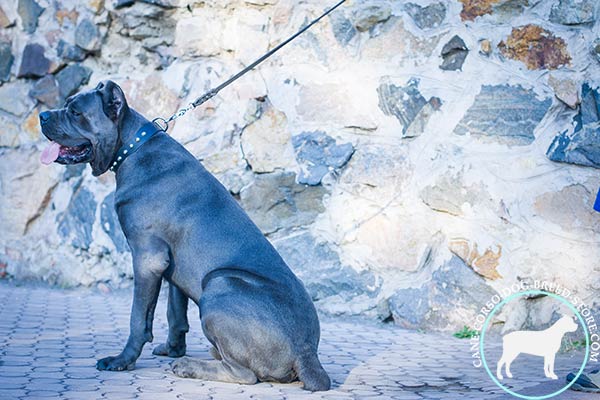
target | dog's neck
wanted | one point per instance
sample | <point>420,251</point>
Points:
<point>131,123</point>
<point>134,132</point>
<point>557,326</point>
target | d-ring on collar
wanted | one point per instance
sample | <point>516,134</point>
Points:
<point>145,133</point>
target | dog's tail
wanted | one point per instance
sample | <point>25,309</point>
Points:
<point>311,373</point>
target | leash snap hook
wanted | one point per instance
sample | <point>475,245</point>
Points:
<point>162,123</point>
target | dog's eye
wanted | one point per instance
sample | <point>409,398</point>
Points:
<point>75,113</point>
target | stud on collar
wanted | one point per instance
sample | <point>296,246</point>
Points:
<point>147,132</point>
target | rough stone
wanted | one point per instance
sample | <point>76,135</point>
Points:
<point>14,98</point>
<point>30,128</point>
<point>26,191</point>
<point>9,134</point>
<point>428,17</point>
<point>454,288</point>
<point>330,283</point>
<point>566,90</point>
<point>87,36</point>
<point>370,13</point>
<point>407,105</point>
<point>582,146</point>
<point>395,41</point>
<point>194,40</point>
<point>454,54</point>
<point>485,264</point>
<point>123,3</point>
<point>6,61</point>
<point>76,222</point>
<point>318,155</point>
<point>509,114</point>
<point>485,47</point>
<point>230,168</point>
<point>168,4</point>
<point>142,95</point>
<point>449,194</point>
<point>73,171</point>
<point>266,143</point>
<point>571,208</point>
<point>476,8</point>
<point>536,47</point>
<point>153,26</point>
<point>29,11</point>
<point>71,78</point>
<point>574,12</point>
<point>507,9</point>
<point>34,63</point>
<point>69,52</point>
<point>46,91</point>
<point>5,21</point>
<point>343,29</point>
<point>97,6</point>
<point>595,49</point>
<point>275,201</point>
<point>328,105</point>
<point>63,15</point>
<point>110,223</point>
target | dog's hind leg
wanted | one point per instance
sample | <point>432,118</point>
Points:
<point>178,325</point>
<point>213,370</point>
<point>499,368</point>
<point>215,353</point>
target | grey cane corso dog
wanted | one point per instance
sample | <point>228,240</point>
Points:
<point>184,226</point>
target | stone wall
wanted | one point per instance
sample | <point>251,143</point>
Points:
<point>408,159</point>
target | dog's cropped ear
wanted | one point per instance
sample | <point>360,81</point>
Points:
<point>113,100</point>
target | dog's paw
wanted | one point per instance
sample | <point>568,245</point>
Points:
<point>117,363</point>
<point>500,377</point>
<point>183,368</point>
<point>167,350</point>
<point>509,375</point>
<point>553,376</point>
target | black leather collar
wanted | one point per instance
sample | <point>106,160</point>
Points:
<point>145,133</point>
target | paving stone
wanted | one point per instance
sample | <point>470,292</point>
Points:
<point>364,360</point>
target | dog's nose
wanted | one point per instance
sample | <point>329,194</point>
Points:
<point>44,117</point>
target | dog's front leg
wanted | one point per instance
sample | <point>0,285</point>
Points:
<point>148,269</point>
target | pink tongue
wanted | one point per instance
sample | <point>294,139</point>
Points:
<point>50,153</point>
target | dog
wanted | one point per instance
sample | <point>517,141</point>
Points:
<point>184,227</point>
<point>538,343</point>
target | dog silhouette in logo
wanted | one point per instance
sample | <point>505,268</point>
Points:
<point>538,343</point>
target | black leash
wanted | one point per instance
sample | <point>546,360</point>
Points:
<point>164,123</point>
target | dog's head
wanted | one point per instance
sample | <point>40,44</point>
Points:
<point>567,324</point>
<point>87,129</point>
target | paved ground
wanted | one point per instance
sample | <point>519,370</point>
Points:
<point>51,338</point>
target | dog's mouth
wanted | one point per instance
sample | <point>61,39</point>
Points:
<point>56,152</point>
